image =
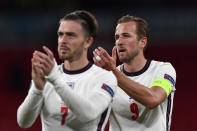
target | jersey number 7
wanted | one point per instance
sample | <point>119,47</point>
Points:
<point>65,112</point>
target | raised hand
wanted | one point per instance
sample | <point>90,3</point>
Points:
<point>37,75</point>
<point>44,61</point>
<point>106,62</point>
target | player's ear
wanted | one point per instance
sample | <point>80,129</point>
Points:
<point>143,42</point>
<point>89,41</point>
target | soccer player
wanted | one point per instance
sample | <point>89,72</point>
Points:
<point>145,98</point>
<point>73,96</point>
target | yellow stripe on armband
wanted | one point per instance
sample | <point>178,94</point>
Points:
<point>163,83</point>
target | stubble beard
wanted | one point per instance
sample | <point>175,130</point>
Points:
<point>129,57</point>
<point>63,57</point>
<point>70,56</point>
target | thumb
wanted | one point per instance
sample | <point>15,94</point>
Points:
<point>32,66</point>
<point>114,56</point>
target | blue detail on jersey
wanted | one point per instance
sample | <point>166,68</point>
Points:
<point>130,99</point>
<point>108,89</point>
<point>71,84</point>
<point>168,77</point>
<point>168,112</point>
<point>102,120</point>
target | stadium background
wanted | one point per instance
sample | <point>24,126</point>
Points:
<point>26,25</point>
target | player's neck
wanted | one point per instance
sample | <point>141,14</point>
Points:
<point>76,65</point>
<point>136,64</point>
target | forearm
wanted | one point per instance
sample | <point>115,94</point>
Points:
<point>138,92</point>
<point>85,108</point>
<point>30,108</point>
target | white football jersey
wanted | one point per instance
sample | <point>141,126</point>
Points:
<point>129,115</point>
<point>86,108</point>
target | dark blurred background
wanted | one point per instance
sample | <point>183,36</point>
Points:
<point>26,25</point>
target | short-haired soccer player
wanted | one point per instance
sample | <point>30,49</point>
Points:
<point>145,98</point>
<point>73,96</point>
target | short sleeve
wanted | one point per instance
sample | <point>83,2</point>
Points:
<point>167,71</point>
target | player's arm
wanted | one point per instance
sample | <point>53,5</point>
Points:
<point>31,107</point>
<point>29,110</point>
<point>90,107</point>
<point>150,97</point>
<point>86,109</point>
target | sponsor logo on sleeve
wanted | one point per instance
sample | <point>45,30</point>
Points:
<point>108,89</point>
<point>169,78</point>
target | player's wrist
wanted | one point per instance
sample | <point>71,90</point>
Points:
<point>35,88</point>
<point>54,74</point>
<point>114,70</point>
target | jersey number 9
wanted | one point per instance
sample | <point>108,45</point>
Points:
<point>134,109</point>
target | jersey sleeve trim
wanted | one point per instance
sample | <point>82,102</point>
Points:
<point>108,89</point>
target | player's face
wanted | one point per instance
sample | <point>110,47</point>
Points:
<point>71,39</point>
<point>126,41</point>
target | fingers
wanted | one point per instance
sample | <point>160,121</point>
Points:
<point>96,53</point>
<point>33,65</point>
<point>103,55</point>
<point>41,58</point>
<point>44,61</point>
<point>104,52</point>
<point>96,62</point>
<point>36,63</point>
<point>36,68</point>
<point>47,58</point>
<point>49,52</point>
<point>106,61</point>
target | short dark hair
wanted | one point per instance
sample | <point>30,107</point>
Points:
<point>142,26</point>
<point>86,19</point>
